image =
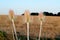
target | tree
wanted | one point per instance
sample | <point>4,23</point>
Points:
<point>22,14</point>
<point>58,14</point>
<point>54,14</point>
<point>34,14</point>
<point>51,14</point>
<point>46,13</point>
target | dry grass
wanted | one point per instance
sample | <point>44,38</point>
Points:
<point>51,26</point>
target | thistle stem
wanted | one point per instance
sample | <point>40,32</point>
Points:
<point>13,34</point>
<point>40,31</point>
<point>27,30</point>
<point>14,29</point>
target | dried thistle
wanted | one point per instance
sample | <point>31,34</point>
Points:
<point>11,14</point>
<point>27,16</point>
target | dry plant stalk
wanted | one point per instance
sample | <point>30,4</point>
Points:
<point>11,14</point>
<point>27,19</point>
<point>41,18</point>
<point>27,16</point>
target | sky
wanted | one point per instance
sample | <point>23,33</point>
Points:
<point>19,6</point>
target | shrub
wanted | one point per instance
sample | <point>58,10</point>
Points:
<point>3,35</point>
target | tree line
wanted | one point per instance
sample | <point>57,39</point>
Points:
<point>45,13</point>
<point>51,14</point>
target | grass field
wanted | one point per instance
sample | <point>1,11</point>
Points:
<point>51,26</point>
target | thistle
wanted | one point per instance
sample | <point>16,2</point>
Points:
<point>11,15</point>
<point>27,16</point>
<point>41,19</point>
<point>27,19</point>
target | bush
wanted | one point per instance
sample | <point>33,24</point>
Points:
<point>3,35</point>
<point>57,37</point>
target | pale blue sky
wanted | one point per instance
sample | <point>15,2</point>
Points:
<point>19,6</point>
